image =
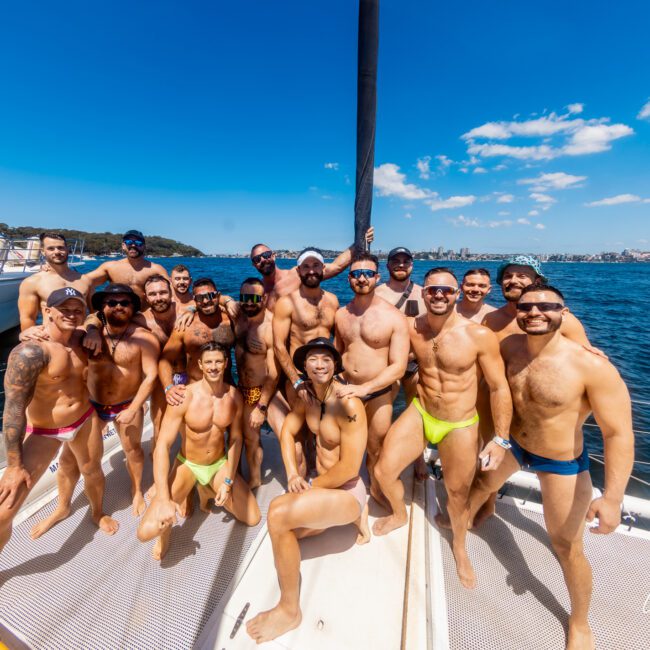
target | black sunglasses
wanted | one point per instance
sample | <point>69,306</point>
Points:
<point>445,289</point>
<point>542,306</point>
<point>122,303</point>
<point>366,273</point>
<point>206,297</point>
<point>262,256</point>
<point>250,297</point>
<point>134,242</point>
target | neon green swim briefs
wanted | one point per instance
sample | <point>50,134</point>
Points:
<point>435,430</point>
<point>203,473</point>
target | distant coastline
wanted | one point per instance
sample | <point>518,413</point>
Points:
<point>105,244</point>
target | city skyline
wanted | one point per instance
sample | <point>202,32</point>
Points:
<point>499,127</point>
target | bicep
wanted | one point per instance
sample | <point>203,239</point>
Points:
<point>609,400</point>
<point>293,422</point>
<point>24,365</point>
<point>171,424</point>
<point>572,328</point>
<point>400,343</point>
<point>354,432</point>
<point>173,347</point>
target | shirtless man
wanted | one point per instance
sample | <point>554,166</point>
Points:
<point>373,338</point>
<point>35,289</point>
<point>181,283</point>
<point>302,315</point>
<point>133,270</point>
<point>47,405</point>
<point>452,352</point>
<point>183,347</point>
<point>514,275</point>
<point>406,295</point>
<point>258,373</point>
<point>122,376</point>
<point>475,288</point>
<point>555,385</point>
<point>336,497</point>
<point>210,408</point>
<point>281,282</point>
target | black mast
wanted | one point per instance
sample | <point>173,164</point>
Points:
<point>366,109</point>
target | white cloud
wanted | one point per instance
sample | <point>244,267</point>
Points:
<point>452,202</point>
<point>540,226</point>
<point>389,181</point>
<point>615,200</point>
<point>408,215</point>
<point>506,198</point>
<point>444,161</point>
<point>644,113</point>
<point>332,165</point>
<point>461,220</point>
<point>326,197</point>
<point>578,136</point>
<point>480,170</point>
<point>423,167</point>
<point>464,170</point>
<point>500,168</point>
<point>533,213</point>
<point>503,213</point>
<point>523,221</point>
<point>538,197</point>
<point>499,224</point>
<point>594,139</point>
<point>553,181</point>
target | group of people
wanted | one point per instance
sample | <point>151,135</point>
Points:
<point>494,389</point>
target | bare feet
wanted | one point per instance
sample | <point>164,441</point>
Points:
<point>421,469</point>
<point>139,504</point>
<point>43,526</point>
<point>159,549</point>
<point>485,511</point>
<point>377,495</point>
<point>580,638</point>
<point>271,624</point>
<point>385,525</point>
<point>106,524</point>
<point>464,569</point>
<point>362,524</point>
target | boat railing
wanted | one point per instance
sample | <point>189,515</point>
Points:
<point>22,255</point>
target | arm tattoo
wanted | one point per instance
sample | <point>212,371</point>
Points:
<point>23,368</point>
<point>352,418</point>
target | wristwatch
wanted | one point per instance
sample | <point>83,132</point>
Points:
<point>262,407</point>
<point>502,442</point>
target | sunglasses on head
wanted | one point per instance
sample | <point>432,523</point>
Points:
<point>122,303</point>
<point>250,297</point>
<point>542,306</point>
<point>445,289</point>
<point>366,273</point>
<point>262,256</point>
<point>206,297</point>
<point>134,242</point>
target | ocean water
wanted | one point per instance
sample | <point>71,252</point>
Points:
<point>611,300</point>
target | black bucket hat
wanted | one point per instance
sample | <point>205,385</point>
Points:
<point>113,289</point>
<point>321,344</point>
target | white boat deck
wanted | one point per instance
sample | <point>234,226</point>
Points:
<point>77,588</point>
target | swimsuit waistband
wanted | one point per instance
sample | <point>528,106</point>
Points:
<point>43,431</point>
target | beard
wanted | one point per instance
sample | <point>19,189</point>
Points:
<point>161,306</point>
<point>251,310</point>
<point>362,290</point>
<point>403,275</point>
<point>57,261</point>
<point>267,268</point>
<point>311,280</point>
<point>551,327</point>
<point>118,319</point>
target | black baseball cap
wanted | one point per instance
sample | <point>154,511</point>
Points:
<point>59,296</point>
<point>320,344</point>
<point>132,234</point>
<point>400,250</point>
<point>113,289</point>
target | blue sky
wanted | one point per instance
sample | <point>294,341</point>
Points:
<point>502,126</point>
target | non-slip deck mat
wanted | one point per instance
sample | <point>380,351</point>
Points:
<point>78,588</point>
<point>521,601</point>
